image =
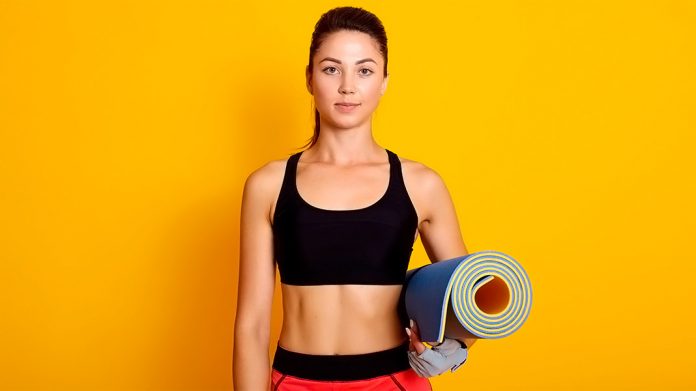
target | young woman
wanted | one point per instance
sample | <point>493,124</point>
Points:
<point>340,219</point>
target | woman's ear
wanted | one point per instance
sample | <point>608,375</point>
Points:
<point>383,89</point>
<point>308,80</point>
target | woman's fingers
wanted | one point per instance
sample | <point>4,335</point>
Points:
<point>415,328</point>
<point>410,341</point>
<point>415,338</point>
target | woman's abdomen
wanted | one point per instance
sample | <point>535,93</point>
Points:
<point>340,319</point>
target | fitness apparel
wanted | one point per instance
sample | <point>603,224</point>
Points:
<point>370,245</point>
<point>382,370</point>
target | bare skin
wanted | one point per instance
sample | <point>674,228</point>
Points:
<point>345,169</point>
<point>352,319</point>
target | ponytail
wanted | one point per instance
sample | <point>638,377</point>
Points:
<point>315,136</point>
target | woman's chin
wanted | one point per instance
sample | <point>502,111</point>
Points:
<point>348,123</point>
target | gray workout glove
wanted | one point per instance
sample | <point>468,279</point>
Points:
<point>447,355</point>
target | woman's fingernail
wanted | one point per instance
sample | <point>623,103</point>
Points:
<point>408,332</point>
<point>411,322</point>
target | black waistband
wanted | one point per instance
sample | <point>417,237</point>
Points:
<point>343,366</point>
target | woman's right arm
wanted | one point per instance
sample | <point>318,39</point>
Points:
<point>250,362</point>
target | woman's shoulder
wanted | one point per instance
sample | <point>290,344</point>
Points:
<point>424,185</point>
<point>266,178</point>
<point>419,172</point>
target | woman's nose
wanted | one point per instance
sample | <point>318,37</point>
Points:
<point>346,86</point>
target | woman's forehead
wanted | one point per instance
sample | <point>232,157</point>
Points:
<point>350,46</point>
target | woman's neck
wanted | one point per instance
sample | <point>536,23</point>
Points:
<point>345,146</point>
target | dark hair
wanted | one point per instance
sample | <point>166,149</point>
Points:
<point>345,18</point>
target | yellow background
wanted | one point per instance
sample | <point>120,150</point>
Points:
<point>564,131</point>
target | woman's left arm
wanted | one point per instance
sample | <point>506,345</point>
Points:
<point>439,228</point>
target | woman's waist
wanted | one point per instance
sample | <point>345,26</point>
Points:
<point>340,332</point>
<point>342,367</point>
<point>341,319</point>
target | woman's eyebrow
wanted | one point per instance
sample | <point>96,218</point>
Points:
<point>356,63</point>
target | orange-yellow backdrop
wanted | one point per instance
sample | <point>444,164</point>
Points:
<point>564,131</point>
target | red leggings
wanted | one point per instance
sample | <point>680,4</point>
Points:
<point>383,370</point>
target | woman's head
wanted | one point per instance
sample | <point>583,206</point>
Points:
<point>347,63</point>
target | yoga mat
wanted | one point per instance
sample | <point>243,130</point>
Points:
<point>486,294</point>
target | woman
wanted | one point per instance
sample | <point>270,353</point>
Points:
<point>342,242</point>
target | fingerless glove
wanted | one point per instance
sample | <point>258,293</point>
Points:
<point>450,354</point>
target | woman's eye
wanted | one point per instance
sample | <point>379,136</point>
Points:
<point>327,68</point>
<point>369,71</point>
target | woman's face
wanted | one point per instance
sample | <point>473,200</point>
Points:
<point>348,69</point>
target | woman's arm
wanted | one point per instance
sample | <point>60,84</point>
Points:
<point>251,365</point>
<point>439,230</point>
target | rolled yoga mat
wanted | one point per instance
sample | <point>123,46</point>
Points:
<point>486,294</point>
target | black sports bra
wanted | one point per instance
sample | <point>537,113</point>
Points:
<point>370,245</point>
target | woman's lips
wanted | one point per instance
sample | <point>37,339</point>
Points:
<point>346,107</point>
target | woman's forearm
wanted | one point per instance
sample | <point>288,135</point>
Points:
<point>250,362</point>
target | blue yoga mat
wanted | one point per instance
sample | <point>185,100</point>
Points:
<point>486,294</point>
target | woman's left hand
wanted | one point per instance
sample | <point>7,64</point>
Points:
<point>427,362</point>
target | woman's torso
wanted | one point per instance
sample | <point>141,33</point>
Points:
<point>346,304</point>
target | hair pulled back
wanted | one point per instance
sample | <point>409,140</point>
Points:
<point>345,18</point>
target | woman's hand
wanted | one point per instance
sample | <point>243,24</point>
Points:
<point>415,342</point>
<point>427,362</point>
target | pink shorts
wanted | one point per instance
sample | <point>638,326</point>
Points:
<point>383,370</point>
